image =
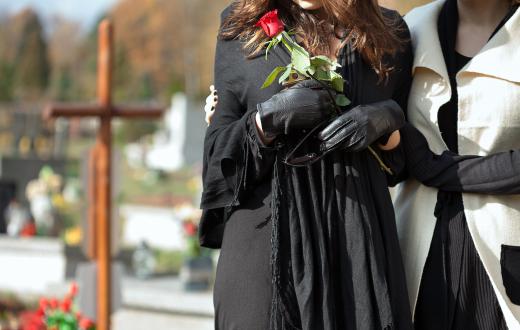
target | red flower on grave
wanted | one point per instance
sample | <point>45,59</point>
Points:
<point>31,321</point>
<point>65,305</point>
<point>28,230</point>
<point>73,291</point>
<point>271,24</point>
<point>85,324</point>
<point>190,228</point>
<point>44,304</point>
<point>53,303</point>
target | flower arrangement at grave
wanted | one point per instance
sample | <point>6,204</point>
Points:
<point>197,270</point>
<point>53,314</point>
<point>193,248</point>
<point>54,207</point>
<point>46,200</point>
<point>190,215</point>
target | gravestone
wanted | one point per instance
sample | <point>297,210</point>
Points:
<point>7,192</point>
<point>160,227</point>
<point>21,170</point>
<point>181,141</point>
<point>30,265</point>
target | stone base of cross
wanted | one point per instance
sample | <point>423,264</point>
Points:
<point>100,196</point>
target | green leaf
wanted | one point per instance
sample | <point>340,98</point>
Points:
<point>321,60</point>
<point>311,70</point>
<point>337,81</point>
<point>342,100</point>
<point>286,73</point>
<point>300,48</point>
<point>65,326</point>
<point>300,61</point>
<point>272,76</point>
<point>323,75</point>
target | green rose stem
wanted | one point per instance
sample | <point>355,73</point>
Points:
<point>319,68</point>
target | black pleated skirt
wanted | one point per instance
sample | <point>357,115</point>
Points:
<point>456,292</point>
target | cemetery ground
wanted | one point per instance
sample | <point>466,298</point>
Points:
<point>158,302</point>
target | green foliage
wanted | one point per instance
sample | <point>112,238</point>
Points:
<point>31,67</point>
<point>146,89</point>
<point>318,67</point>
<point>168,262</point>
<point>6,81</point>
<point>133,130</point>
<point>62,85</point>
<point>62,321</point>
<point>272,76</point>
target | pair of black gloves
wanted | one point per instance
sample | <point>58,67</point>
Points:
<point>308,104</point>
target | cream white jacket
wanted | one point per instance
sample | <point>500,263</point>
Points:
<point>489,122</point>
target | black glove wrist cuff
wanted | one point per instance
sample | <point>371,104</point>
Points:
<point>267,122</point>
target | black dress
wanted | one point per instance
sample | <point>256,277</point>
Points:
<point>455,292</point>
<point>302,248</point>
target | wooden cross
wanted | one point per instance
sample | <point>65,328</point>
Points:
<point>100,168</point>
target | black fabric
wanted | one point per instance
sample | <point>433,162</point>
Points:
<point>334,254</point>
<point>455,291</point>
<point>495,174</point>
<point>510,264</point>
<point>242,291</point>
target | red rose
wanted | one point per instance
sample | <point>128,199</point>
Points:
<point>85,324</point>
<point>53,303</point>
<point>44,304</point>
<point>271,24</point>
<point>65,305</point>
<point>73,289</point>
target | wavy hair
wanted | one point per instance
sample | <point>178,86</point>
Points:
<point>371,33</point>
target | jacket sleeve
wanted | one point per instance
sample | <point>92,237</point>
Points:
<point>234,157</point>
<point>493,174</point>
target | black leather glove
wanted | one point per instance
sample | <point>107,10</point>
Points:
<point>302,106</point>
<point>361,126</point>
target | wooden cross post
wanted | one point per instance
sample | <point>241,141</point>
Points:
<point>101,210</point>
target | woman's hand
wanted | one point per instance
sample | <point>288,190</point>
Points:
<point>211,103</point>
<point>295,109</point>
<point>363,125</point>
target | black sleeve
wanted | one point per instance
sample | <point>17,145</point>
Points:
<point>233,154</point>
<point>494,174</point>
<point>395,160</point>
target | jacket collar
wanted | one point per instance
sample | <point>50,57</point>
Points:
<point>422,22</point>
<point>499,58</point>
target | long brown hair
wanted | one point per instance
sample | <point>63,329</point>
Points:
<point>369,31</point>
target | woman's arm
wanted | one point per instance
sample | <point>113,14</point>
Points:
<point>233,156</point>
<point>494,174</point>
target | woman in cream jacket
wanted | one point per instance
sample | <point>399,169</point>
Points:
<point>462,251</point>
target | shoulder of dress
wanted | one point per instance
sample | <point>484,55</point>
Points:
<point>227,11</point>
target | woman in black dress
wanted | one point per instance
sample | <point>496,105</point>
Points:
<point>311,247</point>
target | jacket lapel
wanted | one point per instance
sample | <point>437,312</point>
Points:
<point>501,56</point>
<point>425,38</point>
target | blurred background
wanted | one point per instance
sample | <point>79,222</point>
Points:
<point>163,55</point>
